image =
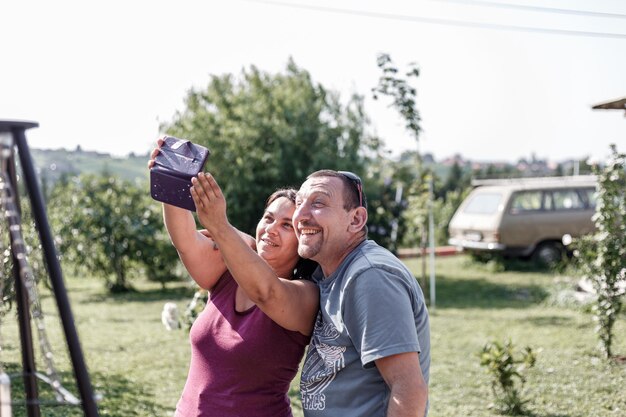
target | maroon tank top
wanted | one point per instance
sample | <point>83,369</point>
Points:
<point>241,362</point>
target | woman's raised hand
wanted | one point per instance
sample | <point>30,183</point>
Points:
<point>155,152</point>
<point>210,202</point>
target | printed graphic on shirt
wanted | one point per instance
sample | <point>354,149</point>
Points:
<point>324,359</point>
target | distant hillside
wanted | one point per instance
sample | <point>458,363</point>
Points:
<point>52,163</point>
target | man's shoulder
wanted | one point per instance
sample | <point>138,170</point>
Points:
<point>370,256</point>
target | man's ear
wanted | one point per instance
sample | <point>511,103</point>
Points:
<point>358,219</point>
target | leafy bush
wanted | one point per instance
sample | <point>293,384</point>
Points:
<point>195,307</point>
<point>416,214</point>
<point>110,228</point>
<point>506,369</point>
<point>34,255</point>
<point>603,255</point>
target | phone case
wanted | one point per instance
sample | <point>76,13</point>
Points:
<point>170,177</point>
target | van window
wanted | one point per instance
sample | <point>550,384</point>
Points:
<point>526,201</point>
<point>567,200</point>
<point>590,193</point>
<point>485,203</point>
<point>547,201</point>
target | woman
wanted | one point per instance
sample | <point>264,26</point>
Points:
<point>245,350</point>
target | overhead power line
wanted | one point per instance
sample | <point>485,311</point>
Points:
<point>535,8</point>
<point>442,21</point>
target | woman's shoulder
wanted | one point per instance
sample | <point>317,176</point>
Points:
<point>225,281</point>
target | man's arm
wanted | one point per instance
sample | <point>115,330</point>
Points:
<point>384,333</point>
<point>409,392</point>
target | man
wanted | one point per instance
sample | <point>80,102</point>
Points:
<point>370,350</point>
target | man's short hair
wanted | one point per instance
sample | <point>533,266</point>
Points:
<point>353,197</point>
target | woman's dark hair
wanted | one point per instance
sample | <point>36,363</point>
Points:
<point>305,267</point>
<point>288,193</point>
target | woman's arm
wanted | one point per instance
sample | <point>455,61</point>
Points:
<point>197,251</point>
<point>291,304</point>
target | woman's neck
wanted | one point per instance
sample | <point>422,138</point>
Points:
<point>284,270</point>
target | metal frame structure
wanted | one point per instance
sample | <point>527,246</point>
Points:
<point>619,104</point>
<point>12,133</point>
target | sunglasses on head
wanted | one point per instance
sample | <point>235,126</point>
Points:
<point>356,180</point>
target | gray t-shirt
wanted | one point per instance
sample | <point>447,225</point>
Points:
<point>371,307</point>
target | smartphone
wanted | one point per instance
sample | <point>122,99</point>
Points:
<point>170,177</point>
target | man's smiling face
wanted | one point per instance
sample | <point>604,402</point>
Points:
<point>321,221</point>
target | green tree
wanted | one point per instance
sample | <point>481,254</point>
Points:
<point>603,255</point>
<point>387,181</point>
<point>271,130</point>
<point>106,227</point>
<point>32,245</point>
<point>155,253</point>
<point>407,172</point>
<point>558,171</point>
<point>400,90</point>
<point>457,180</point>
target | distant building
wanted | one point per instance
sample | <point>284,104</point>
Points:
<point>455,159</point>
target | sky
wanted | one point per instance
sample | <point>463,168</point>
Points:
<point>102,75</point>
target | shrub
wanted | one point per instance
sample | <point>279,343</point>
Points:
<point>603,255</point>
<point>110,228</point>
<point>195,307</point>
<point>506,369</point>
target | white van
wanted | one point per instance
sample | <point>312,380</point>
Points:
<point>524,217</point>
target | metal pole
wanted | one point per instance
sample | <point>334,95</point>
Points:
<point>394,222</point>
<point>23,312</point>
<point>56,277</point>
<point>431,229</point>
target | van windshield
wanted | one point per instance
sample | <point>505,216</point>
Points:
<point>484,203</point>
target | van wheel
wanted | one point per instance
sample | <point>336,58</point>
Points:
<point>548,254</point>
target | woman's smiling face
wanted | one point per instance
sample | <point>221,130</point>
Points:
<point>276,240</point>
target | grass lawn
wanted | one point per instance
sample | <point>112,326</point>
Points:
<point>140,368</point>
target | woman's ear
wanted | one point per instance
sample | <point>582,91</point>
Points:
<point>358,220</point>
